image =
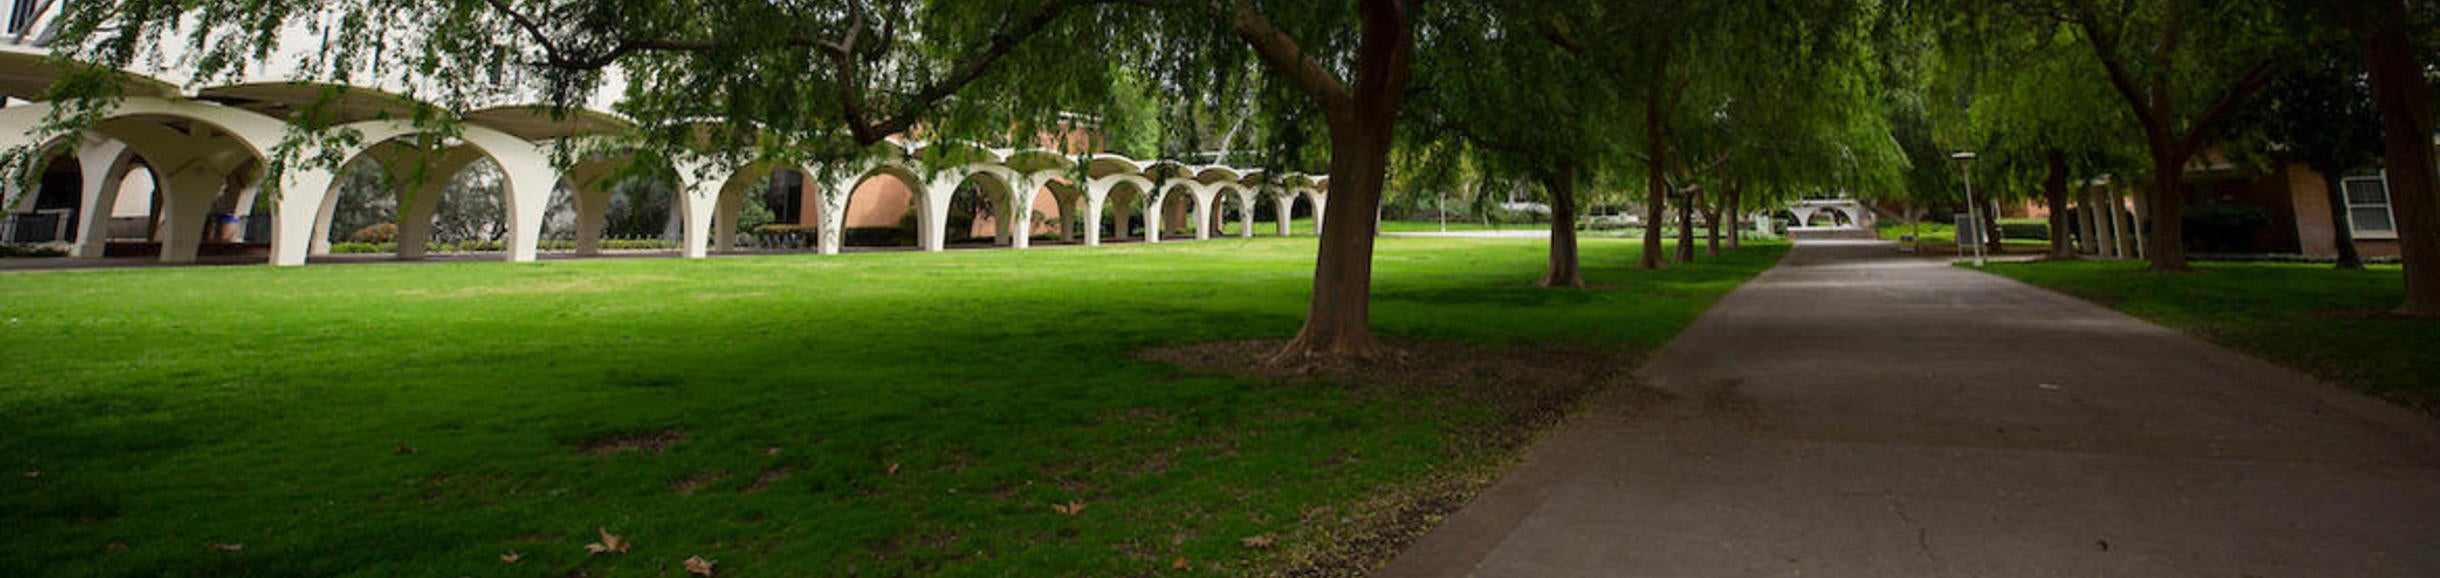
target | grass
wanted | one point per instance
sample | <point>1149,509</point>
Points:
<point>2330,323</point>
<point>868,414</point>
<point>1942,238</point>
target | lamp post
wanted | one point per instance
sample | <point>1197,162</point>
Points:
<point>1965,164</point>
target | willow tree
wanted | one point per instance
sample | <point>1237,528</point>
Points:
<point>1529,109</point>
<point>2182,69</point>
<point>1682,61</point>
<point>2042,119</point>
<point>827,80</point>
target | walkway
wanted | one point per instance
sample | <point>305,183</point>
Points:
<point>1856,413</point>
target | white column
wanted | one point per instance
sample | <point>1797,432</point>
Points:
<point>697,196</point>
<point>1152,217</point>
<point>1203,217</point>
<point>724,221</point>
<point>184,208</point>
<point>833,215</point>
<point>1095,198</point>
<point>592,215</point>
<point>104,163</point>
<point>935,206</point>
<point>293,226</point>
<point>1285,206</point>
<point>1019,226</point>
<point>1245,216</point>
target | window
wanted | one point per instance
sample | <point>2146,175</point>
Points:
<point>2368,206</point>
<point>21,15</point>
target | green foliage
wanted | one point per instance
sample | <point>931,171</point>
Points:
<point>16,250</point>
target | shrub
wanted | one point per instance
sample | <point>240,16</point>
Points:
<point>2219,227</point>
<point>2024,230</point>
<point>15,250</point>
<point>376,233</point>
<point>357,248</point>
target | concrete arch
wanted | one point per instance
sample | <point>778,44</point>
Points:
<point>999,186</point>
<point>1099,192</point>
<point>840,205</point>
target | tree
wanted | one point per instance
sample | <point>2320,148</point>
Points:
<point>2322,115</point>
<point>2044,120</point>
<point>1529,109</point>
<point>2401,88</point>
<point>2162,57</point>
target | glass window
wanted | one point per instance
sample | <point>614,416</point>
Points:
<point>2368,206</point>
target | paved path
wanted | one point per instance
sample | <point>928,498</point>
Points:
<point>1854,413</point>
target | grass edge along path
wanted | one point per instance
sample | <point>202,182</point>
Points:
<point>968,413</point>
<point>2325,322</point>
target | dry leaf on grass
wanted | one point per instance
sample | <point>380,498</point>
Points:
<point>1258,542</point>
<point>1071,508</point>
<point>698,566</point>
<point>892,471</point>
<point>33,473</point>
<point>610,543</point>
<point>219,547</point>
<point>771,451</point>
<point>511,557</point>
<point>403,449</point>
<point>1179,564</point>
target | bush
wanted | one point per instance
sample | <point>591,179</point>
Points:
<point>784,229</point>
<point>2016,229</point>
<point>15,250</point>
<point>376,233</point>
<point>2219,227</point>
<point>358,248</point>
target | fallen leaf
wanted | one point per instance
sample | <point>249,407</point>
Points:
<point>219,547</point>
<point>403,449</point>
<point>1071,508</point>
<point>1262,541</point>
<point>699,566</point>
<point>771,451</point>
<point>893,469</point>
<point>610,544</point>
<point>1179,564</point>
<point>33,473</point>
<point>511,557</point>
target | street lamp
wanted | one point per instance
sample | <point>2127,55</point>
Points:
<point>1965,164</point>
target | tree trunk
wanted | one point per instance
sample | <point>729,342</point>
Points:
<point>1656,161</point>
<point>1685,236</point>
<point>2054,192</point>
<point>2405,99</point>
<point>1564,265</point>
<point>1362,120</point>
<point>1711,222</point>
<point>2341,230</point>
<point>1736,215</point>
<point>2168,209</point>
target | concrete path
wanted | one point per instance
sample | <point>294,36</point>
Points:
<point>1857,413</point>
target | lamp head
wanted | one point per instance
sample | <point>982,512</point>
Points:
<point>1963,156</point>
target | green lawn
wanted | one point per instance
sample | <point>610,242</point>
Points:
<point>2327,322</point>
<point>868,414</point>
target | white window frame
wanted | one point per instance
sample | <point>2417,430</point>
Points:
<point>2388,206</point>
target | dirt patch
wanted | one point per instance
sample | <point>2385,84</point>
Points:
<point>768,477</point>
<point>687,486</point>
<point>1529,389</point>
<point>651,442</point>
